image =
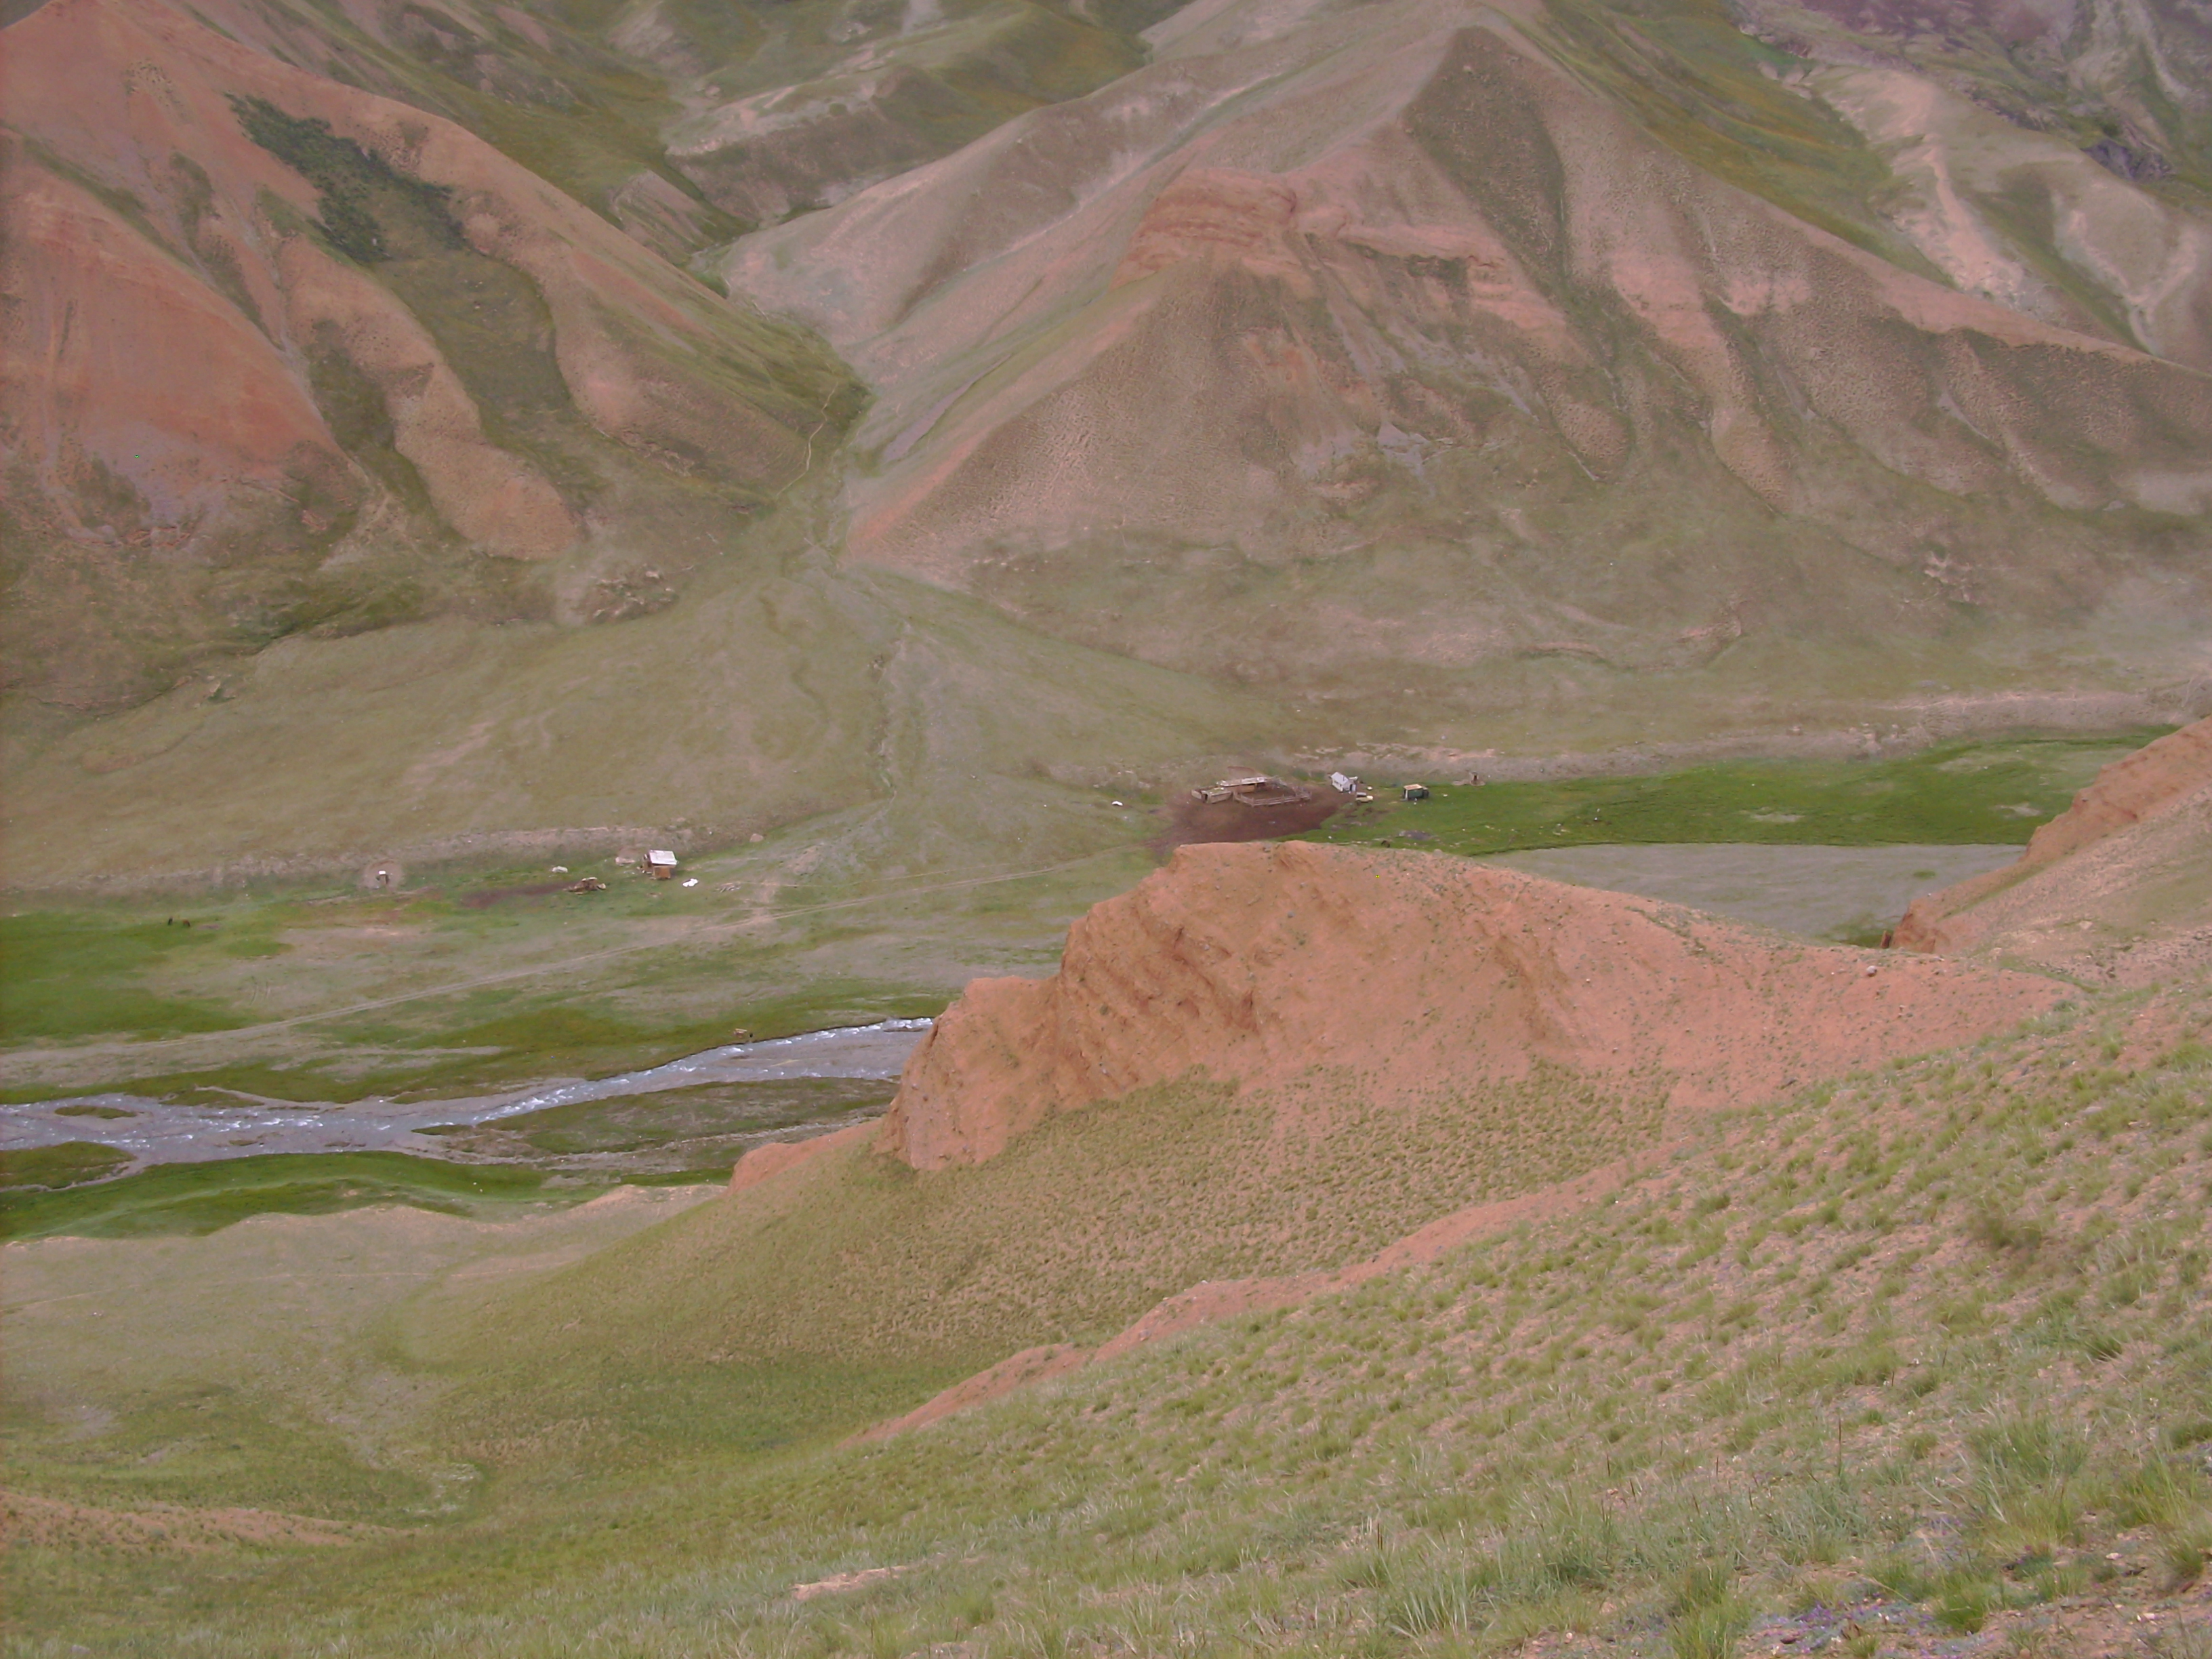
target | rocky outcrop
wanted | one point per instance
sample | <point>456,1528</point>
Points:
<point>2117,887</point>
<point>1264,965</point>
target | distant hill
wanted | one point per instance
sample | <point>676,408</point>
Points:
<point>309,359</point>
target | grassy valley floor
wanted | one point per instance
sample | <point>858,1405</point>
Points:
<point>1955,793</point>
<point>481,976</point>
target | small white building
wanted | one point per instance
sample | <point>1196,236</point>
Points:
<point>661,864</point>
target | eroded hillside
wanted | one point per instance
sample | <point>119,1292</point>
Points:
<point>1541,380</point>
<point>1483,351</point>
<point>288,355</point>
<point>1270,967</point>
<point>2116,889</point>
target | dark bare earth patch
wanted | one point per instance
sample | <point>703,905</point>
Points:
<point>1191,820</point>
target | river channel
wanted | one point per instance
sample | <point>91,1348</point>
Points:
<point>171,1131</point>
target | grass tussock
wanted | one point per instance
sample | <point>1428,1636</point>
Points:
<point>1071,1234</point>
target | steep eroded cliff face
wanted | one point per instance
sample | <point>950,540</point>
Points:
<point>2116,888</point>
<point>1262,964</point>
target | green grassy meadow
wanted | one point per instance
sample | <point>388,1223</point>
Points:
<point>808,929</point>
<point>1960,793</point>
<point>69,1164</point>
<point>199,1198</point>
<point>480,977</point>
<point>73,973</point>
<point>1918,1357</point>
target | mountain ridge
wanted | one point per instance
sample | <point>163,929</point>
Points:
<point>510,371</point>
<point>1266,361</point>
<point>1447,381</point>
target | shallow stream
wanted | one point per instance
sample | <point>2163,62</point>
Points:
<point>172,1132</point>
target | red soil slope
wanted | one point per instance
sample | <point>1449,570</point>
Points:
<point>123,89</point>
<point>2132,855</point>
<point>1259,963</point>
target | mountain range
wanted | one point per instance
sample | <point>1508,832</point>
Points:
<point>1409,372</point>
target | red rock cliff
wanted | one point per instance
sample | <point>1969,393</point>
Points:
<point>1258,963</point>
